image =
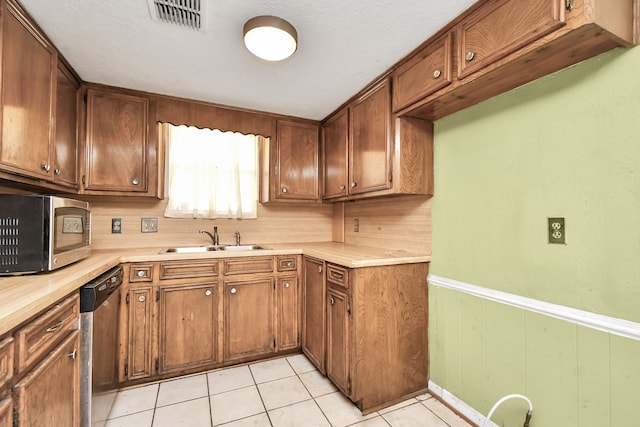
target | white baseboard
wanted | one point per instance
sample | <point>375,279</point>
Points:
<point>612,325</point>
<point>460,406</point>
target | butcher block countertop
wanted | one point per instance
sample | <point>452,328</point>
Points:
<point>22,297</point>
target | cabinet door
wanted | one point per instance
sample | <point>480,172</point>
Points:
<point>288,313</point>
<point>6,361</point>
<point>117,142</point>
<point>313,319</point>
<point>338,339</point>
<point>297,161</point>
<point>501,28</point>
<point>28,72</point>
<point>49,394</point>
<point>336,140</point>
<point>66,137</point>
<point>249,318</point>
<point>188,333</point>
<point>6,412</point>
<point>370,141</point>
<point>140,323</point>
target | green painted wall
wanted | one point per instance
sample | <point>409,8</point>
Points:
<point>567,145</point>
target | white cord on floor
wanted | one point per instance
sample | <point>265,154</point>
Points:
<point>502,400</point>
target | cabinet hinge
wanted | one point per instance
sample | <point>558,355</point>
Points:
<point>348,308</point>
<point>157,365</point>
<point>349,385</point>
<point>85,97</point>
<point>84,179</point>
<point>274,343</point>
<point>157,296</point>
<point>127,299</point>
<point>390,176</point>
<point>126,369</point>
<point>569,4</point>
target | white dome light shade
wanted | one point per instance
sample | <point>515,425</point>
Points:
<point>270,38</point>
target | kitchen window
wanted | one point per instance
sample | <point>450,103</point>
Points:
<point>211,174</point>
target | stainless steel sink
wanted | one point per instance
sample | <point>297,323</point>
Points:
<point>201,249</point>
<point>241,248</point>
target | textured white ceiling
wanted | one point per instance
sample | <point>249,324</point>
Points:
<point>343,45</point>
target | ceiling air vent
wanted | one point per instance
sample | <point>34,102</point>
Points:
<point>186,13</point>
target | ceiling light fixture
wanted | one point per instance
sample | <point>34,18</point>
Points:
<point>270,38</point>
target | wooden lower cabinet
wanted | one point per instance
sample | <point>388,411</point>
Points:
<point>188,330</point>
<point>140,310</point>
<point>313,318</point>
<point>249,318</point>
<point>338,339</point>
<point>288,300</point>
<point>49,394</point>
<point>6,412</point>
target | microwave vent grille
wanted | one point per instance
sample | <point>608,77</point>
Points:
<point>9,241</point>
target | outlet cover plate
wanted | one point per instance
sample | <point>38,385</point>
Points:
<point>116,225</point>
<point>556,231</point>
<point>149,225</point>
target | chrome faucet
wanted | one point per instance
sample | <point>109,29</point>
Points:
<point>237,238</point>
<point>214,237</point>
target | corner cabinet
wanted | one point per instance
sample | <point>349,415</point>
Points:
<point>369,153</point>
<point>361,320</point>
<point>121,148</point>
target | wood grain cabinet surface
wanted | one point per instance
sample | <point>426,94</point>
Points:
<point>28,96</point>
<point>6,412</point>
<point>370,153</point>
<point>49,394</point>
<point>297,167</point>
<point>65,165</point>
<point>368,318</point>
<point>120,158</point>
<point>6,362</point>
<point>499,45</point>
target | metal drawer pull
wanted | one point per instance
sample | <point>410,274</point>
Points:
<point>332,301</point>
<point>57,171</point>
<point>337,275</point>
<point>141,273</point>
<point>135,181</point>
<point>286,285</point>
<point>141,298</point>
<point>436,74</point>
<point>354,184</point>
<point>288,264</point>
<point>233,290</point>
<point>319,269</point>
<point>208,293</point>
<point>73,354</point>
<point>284,189</point>
<point>343,187</point>
<point>46,167</point>
<point>469,56</point>
<point>54,327</point>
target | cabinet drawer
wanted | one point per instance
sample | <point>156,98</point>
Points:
<point>188,269</point>
<point>287,263</point>
<point>6,361</point>
<point>141,273</point>
<point>247,265</point>
<point>494,32</point>
<point>338,275</point>
<point>40,335</point>
<point>426,73</point>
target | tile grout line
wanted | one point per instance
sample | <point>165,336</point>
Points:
<point>309,391</point>
<point>255,384</point>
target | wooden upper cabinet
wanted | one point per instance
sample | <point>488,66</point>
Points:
<point>297,160</point>
<point>335,137</point>
<point>427,72</point>
<point>66,123</point>
<point>28,81</point>
<point>370,140</point>
<point>117,143</point>
<point>502,27</point>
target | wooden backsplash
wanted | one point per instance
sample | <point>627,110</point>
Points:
<point>401,222</point>
<point>275,224</point>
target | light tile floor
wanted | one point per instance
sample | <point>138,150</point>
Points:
<point>284,392</point>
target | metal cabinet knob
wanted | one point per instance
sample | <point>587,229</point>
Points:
<point>46,167</point>
<point>332,301</point>
<point>141,298</point>
<point>284,189</point>
<point>354,184</point>
<point>141,273</point>
<point>208,293</point>
<point>286,285</point>
<point>57,171</point>
<point>469,56</point>
<point>437,74</point>
<point>319,269</point>
<point>135,181</point>
<point>343,187</point>
<point>289,264</point>
<point>233,290</point>
<point>73,354</point>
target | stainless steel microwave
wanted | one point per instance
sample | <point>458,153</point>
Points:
<point>42,233</point>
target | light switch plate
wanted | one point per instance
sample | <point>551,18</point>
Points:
<point>149,225</point>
